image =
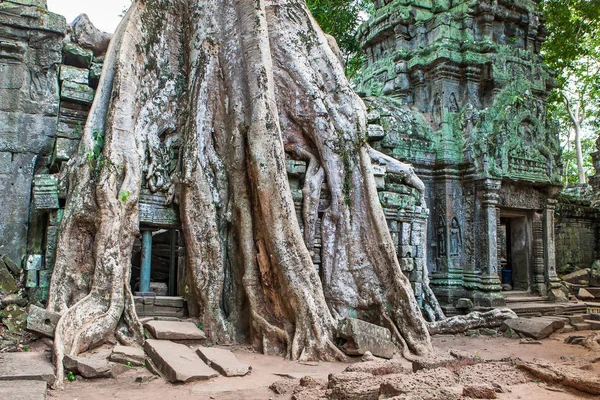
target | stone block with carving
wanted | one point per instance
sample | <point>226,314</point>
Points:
<point>362,336</point>
<point>45,192</point>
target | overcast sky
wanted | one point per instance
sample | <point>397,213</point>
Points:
<point>103,13</point>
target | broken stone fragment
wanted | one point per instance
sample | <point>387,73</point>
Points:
<point>464,304</point>
<point>89,368</point>
<point>585,295</point>
<point>224,361</point>
<point>12,266</point>
<point>125,354</point>
<point>8,284</point>
<point>536,328</point>
<point>362,336</point>
<point>42,321</point>
<point>479,392</point>
<point>88,36</point>
<point>581,277</point>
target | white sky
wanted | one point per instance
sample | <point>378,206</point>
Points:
<point>104,14</point>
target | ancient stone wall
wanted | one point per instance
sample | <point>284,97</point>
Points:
<point>458,89</point>
<point>577,233</point>
<point>30,55</point>
<point>47,84</point>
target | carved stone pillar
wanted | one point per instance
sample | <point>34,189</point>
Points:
<point>538,256</point>
<point>489,294</point>
<point>552,281</point>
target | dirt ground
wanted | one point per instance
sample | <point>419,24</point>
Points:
<point>267,369</point>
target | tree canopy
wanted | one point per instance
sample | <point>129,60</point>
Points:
<point>573,51</point>
<point>341,19</point>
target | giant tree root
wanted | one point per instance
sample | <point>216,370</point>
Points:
<point>474,320</point>
<point>561,375</point>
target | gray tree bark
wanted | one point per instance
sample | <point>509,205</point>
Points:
<point>240,83</point>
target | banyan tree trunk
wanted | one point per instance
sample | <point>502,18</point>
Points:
<point>234,86</point>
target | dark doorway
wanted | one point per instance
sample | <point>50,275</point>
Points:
<point>161,274</point>
<point>516,254</point>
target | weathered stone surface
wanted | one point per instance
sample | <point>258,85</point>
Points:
<point>176,362</point>
<point>126,354</point>
<point>585,295</point>
<point>362,336</point>
<point>88,36</point>
<point>77,56</point>
<point>93,368</point>
<point>12,266</point>
<point>536,328</point>
<point>224,361</point>
<point>23,390</point>
<point>77,92</point>
<point>41,321</point>
<point>95,73</point>
<point>45,192</point>
<point>8,284</point>
<point>479,391</point>
<point>74,74</point>
<point>171,330</point>
<point>464,304</point>
<point>25,366</point>
<point>578,277</point>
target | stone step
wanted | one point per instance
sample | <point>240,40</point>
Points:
<point>23,390</point>
<point>174,330</point>
<point>26,366</point>
<point>581,326</point>
<point>223,361</point>
<point>594,325</point>
<point>177,362</point>
<point>525,299</point>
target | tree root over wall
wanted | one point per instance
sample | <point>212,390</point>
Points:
<point>232,85</point>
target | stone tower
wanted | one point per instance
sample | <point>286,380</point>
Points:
<point>459,89</point>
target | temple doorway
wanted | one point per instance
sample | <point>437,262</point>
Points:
<point>516,254</point>
<point>154,264</point>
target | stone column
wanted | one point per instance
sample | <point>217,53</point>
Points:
<point>552,281</point>
<point>146,268</point>
<point>489,294</point>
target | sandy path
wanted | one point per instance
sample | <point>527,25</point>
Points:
<point>265,368</point>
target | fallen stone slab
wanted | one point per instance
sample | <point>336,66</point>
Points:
<point>172,330</point>
<point>536,328</point>
<point>362,336</point>
<point>581,277</point>
<point>177,362</point>
<point>224,361</point>
<point>26,366</point>
<point>125,354</point>
<point>23,390</point>
<point>585,295</point>
<point>90,368</point>
<point>42,321</point>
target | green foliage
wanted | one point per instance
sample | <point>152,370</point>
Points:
<point>129,364</point>
<point>124,195</point>
<point>340,19</point>
<point>569,159</point>
<point>200,325</point>
<point>573,51</point>
<point>70,376</point>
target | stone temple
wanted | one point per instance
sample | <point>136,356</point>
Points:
<point>456,88</point>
